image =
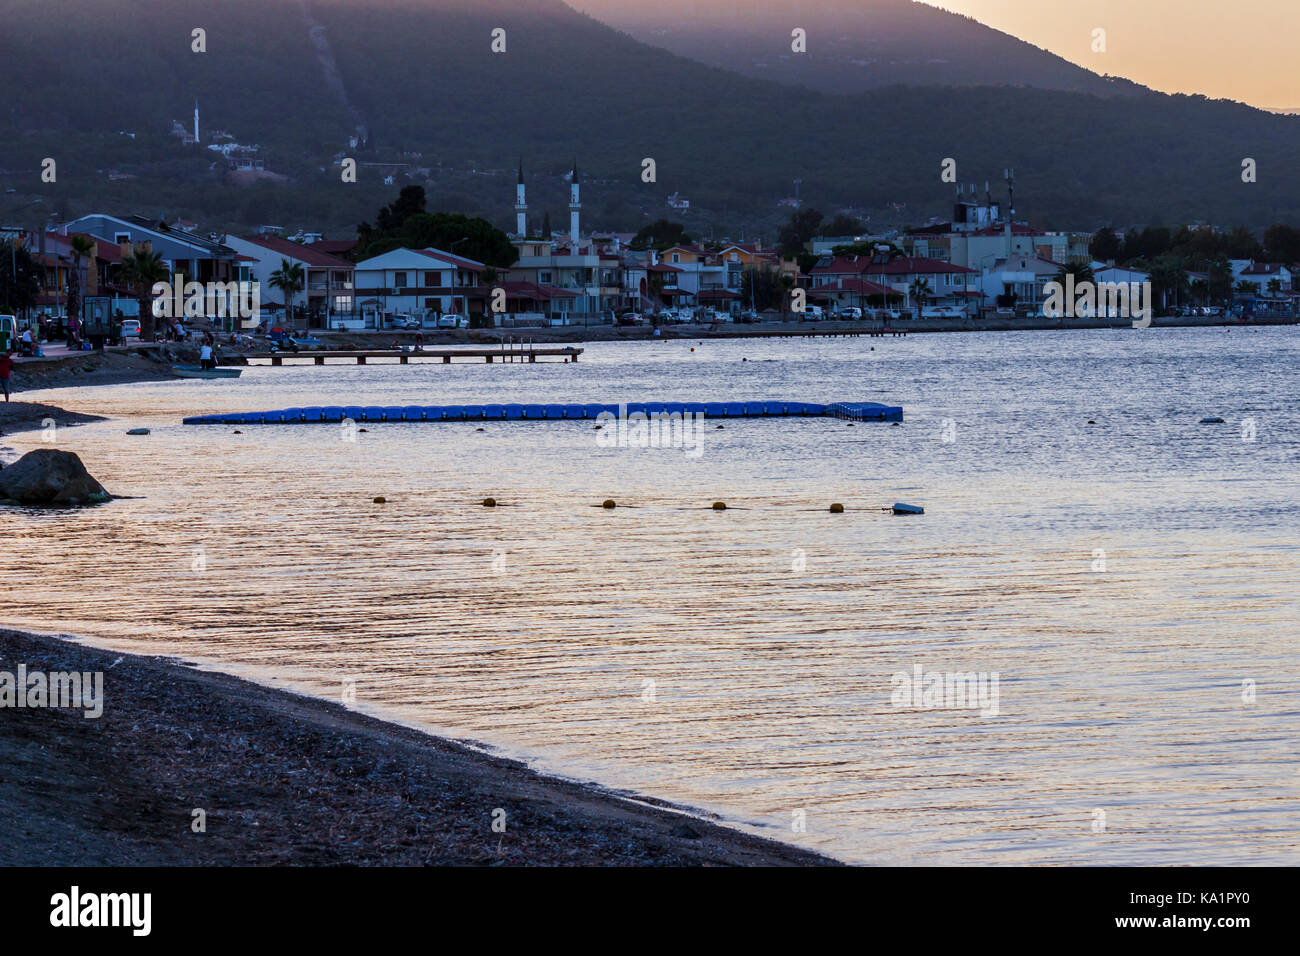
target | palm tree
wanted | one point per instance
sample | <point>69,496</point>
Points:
<point>140,270</point>
<point>1274,286</point>
<point>81,247</point>
<point>289,280</point>
<point>1082,272</point>
<point>920,291</point>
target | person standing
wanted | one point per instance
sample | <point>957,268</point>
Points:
<point>6,369</point>
<point>205,357</point>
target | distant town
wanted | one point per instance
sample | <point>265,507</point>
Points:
<point>981,264</point>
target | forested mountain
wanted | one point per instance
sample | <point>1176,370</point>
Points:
<point>852,45</point>
<point>420,77</point>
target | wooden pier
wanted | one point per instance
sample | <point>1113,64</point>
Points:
<point>506,352</point>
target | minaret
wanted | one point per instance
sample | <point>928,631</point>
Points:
<point>196,120</point>
<point>521,205</point>
<point>575,207</point>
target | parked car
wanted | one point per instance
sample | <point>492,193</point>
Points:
<point>629,318</point>
<point>130,328</point>
<point>450,320</point>
<point>813,313</point>
<point>849,312</point>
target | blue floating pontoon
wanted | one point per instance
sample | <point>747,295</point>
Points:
<point>852,411</point>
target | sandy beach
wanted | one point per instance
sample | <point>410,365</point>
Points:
<point>286,779</point>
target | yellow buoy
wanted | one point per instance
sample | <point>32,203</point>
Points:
<point>837,509</point>
<point>719,506</point>
<point>489,502</point>
<point>380,499</point>
<point>608,503</point>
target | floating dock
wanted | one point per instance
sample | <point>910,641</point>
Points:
<point>506,352</point>
<point>851,411</point>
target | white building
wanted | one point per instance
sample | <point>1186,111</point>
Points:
<point>423,284</point>
<point>327,299</point>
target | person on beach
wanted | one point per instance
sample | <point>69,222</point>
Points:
<point>205,357</point>
<point>29,346</point>
<point>6,369</point>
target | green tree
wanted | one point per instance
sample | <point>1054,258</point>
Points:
<point>1106,245</point>
<point>442,230</point>
<point>843,226</point>
<point>1282,243</point>
<point>1082,272</point>
<point>803,225</point>
<point>919,290</point>
<point>20,279</point>
<point>141,269</point>
<point>82,246</point>
<point>289,279</point>
<point>661,234</point>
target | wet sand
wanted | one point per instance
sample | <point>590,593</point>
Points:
<point>286,779</point>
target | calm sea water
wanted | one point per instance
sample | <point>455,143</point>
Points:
<point>741,662</point>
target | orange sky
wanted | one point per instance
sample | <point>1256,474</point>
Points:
<point>1242,50</point>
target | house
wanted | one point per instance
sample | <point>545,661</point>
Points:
<point>420,283</point>
<point>948,284</point>
<point>327,299</point>
<point>1262,275</point>
<point>195,258</point>
<point>1019,282</point>
<point>594,277</point>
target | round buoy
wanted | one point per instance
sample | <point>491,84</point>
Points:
<point>1091,422</point>
<point>380,499</point>
<point>489,502</point>
<point>721,426</point>
<point>363,430</point>
<point>608,503</point>
<point>719,506</point>
<point>850,424</point>
<point>237,432</point>
<point>837,509</point>
<point>692,348</point>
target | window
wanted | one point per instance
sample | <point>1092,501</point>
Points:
<point>343,303</point>
<point>432,279</point>
<point>121,237</point>
<point>431,303</point>
<point>399,280</point>
<point>544,277</point>
<point>677,257</point>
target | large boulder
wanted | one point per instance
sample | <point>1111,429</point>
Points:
<point>50,478</point>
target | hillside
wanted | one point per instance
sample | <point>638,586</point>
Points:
<point>420,77</point>
<point>853,45</point>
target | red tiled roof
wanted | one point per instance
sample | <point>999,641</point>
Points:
<point>856,286</point>
<point>335,247</point>
<point>293,250</point>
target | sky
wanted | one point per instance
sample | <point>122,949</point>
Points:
<point>1244,50</point>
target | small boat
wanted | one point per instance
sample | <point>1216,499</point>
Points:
<point>193,371</point>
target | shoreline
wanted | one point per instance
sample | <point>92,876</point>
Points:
<point>286,779</point>
<point>16,417</point>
